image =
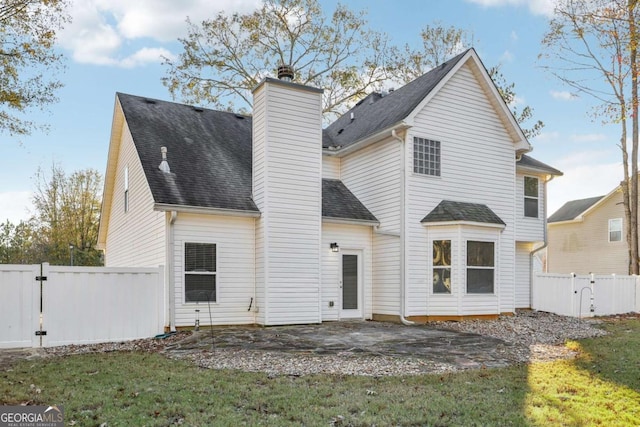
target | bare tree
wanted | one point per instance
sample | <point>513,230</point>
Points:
<point>596,43</point>
<point>224,58</point>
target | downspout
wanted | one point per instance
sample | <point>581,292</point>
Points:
<point>545,240</point>
<point>171,273</point>
<point>255,275</point>
<point>404,321</point>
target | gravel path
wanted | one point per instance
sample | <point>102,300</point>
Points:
<point>528,336</point>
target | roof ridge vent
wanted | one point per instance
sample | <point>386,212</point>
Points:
<point>198,109</point>
<point>149,101</point>
<point>164,165</point>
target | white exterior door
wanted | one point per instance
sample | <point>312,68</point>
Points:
<point>351,284</point>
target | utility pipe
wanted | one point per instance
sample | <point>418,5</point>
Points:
<point>171,273</point>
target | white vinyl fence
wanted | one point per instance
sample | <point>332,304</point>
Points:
<point>586,295</point>
<point>78,305</point>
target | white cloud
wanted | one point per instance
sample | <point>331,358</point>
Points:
<point>537,7</point>
<point>585,175</point>
<point>562,95</point>
<point>506,56</point>
<point>144,56</point>
<point>15,206</point>
<point>100,29</point>
<point>588,137</point>
<point>547,136</point>
<point>514,36</point>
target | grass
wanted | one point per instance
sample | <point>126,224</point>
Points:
<point>600,387</point>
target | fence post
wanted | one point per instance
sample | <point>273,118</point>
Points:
<point>573,295</point>
<point>637,294</point>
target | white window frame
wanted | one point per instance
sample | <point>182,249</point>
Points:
<point>611,230</point>
<point>426,148</point>
<point>494,267</point>
<point>528,197</point>
<point>126,189</point>
<point>204,273</point>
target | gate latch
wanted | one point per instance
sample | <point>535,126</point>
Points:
<point>40,333</point>
<point>41,278</point>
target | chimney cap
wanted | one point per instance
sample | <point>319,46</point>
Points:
<point>286,73</point>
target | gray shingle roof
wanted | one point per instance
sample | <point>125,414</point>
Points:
<point>338,202</point>
<point>209,153</point>
<point>573,209</point>
<point>531,163</point>
<point>375,112</point>
<point>448,211</point>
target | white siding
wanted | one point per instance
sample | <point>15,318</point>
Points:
<point>529,229</point>
<point>330,167</point>
<point>235,275</point>
<point>523,275</point>
<point>135,238</point>
<point>289,172</point>
<point>347,237</point>
<point>478,166</point>
<point>373,175</point>
<point>386,274</point>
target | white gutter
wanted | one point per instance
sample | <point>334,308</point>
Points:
<point>402,230</point>
<point>171,272</point>
<point>385,133</point>
<point>167,207</point>
<point>332,220</point>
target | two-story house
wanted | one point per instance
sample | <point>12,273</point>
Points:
<point>588,236</point>
<point>417,204</point>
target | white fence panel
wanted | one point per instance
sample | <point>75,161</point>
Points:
<point>86,305</point>
<point>19,305</point>
<point>586,295</point>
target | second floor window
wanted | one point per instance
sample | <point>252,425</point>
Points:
<point>426,156</point>
<point>530,197</point>
<point>615,230</point>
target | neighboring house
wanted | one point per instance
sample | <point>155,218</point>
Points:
<point>417,204</point>
<point>588,236</point>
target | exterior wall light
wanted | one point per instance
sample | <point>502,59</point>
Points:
<point>334,247</point>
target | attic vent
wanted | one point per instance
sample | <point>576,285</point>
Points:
<point>285,72</point>
<point>164,165</point>
<point>198,109</point>
<point>391,89</point>
<point>340,131</point>
<point>239,116</point>
<point>150,101</point>
<point>353,116</point>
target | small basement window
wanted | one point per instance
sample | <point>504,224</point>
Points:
<point>530,197</point>
<point>615,230</point>
<point>200,270</point>
<point>426,156</point>
<point>480,267</point>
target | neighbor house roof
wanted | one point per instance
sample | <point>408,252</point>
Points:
<point>450,211</point>
<point>529,163</point>
<point>573,209</point>
<point>377,112</point>
<point>210,157</point>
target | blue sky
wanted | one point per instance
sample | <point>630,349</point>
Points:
<point>114,46</point>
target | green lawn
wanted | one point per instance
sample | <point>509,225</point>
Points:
<point>601,387</point>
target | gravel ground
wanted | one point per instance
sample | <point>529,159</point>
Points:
<point>529,336</point>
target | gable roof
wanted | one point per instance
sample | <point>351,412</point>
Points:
<point>573,209</point>
<point>210,156</point>
<point>527,162</point>
<point>450,211</point>
<point>209,153</point>
<point>377,112</point>
<point>340,203</point>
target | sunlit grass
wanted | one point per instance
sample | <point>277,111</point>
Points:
<point>601,387</point>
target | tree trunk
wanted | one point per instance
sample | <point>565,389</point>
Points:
<point>633,53</point>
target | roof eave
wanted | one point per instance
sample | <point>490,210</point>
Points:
<point>168,207</point>
<point>467,223</point>
<point>349,221</point>
<point>539,171</point>
<point>365,142</point>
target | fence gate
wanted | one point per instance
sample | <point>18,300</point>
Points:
<point>43,306</point>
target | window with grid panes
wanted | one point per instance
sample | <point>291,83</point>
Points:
<point>426,156</point>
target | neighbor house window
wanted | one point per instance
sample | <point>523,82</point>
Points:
<point>426,156</point>
<point>615,230</point>
<point>126,188</point>
<point>442,266</point>
<point>530,197</point>
<point>200,269</point>
<point>480,267</point>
